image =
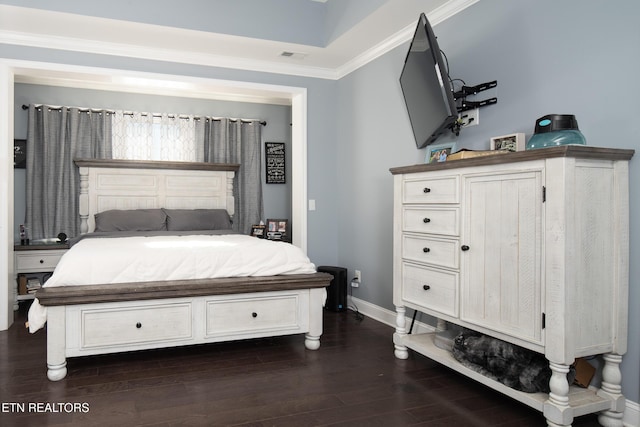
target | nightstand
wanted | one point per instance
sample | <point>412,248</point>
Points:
<point>34,262</point>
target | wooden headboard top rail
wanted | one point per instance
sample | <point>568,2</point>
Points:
<point>131,184</point>
<point>154,164</point>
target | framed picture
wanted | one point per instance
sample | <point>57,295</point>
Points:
<point>513,142</point>
<point>257,230</point>
<point>20,153</point>
<point>277,229</point>
<point>275,162</point>
<point>439,152</point>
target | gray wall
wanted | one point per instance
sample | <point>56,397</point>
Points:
<point>277,197</point>
<point>547,58</point>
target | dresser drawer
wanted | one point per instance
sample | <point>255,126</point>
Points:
<point>251,315</point>
<point>440,252</point>
<point>439,221</point>
<point>136,325</point>
<point>432,190</point>
<point>31,261</point>
<point>430,288</point>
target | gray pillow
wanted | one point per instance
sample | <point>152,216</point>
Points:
<point>197,219</point>
<point>131,220</point>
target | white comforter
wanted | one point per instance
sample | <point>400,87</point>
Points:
<point>143,259</point>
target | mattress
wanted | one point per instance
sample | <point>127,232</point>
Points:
<point>108,260</point>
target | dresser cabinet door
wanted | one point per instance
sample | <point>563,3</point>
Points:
<point>501,241</point>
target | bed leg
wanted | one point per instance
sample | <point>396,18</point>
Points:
<point>56,342</point>
<point>311,342</point>
<point>316,301</point>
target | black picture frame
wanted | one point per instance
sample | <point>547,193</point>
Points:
<point>277,229</point>
<point>275,169</point>
<point>20,153</point>
<point>257,230</point>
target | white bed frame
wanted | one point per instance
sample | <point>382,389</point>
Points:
<point>99,319</point>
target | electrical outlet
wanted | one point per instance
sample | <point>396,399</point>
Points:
<point>469,117</point>
<point>357,279</point>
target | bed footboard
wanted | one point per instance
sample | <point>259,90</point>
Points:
<point>110,319</point>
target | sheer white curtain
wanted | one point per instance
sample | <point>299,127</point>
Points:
<point>146,136</point>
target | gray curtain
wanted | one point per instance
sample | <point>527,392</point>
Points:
<point>237,141</point>
<point>56,136</point>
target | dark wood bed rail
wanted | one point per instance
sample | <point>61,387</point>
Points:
<point>89,294</point>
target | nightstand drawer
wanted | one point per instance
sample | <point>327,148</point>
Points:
<point>432,190</point>
<point>430,288</point>
<point>136,325</point>
<point>31,261</point>
<point>251,315</point>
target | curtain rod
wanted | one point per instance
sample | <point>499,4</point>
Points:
<point>26,107</point>
<point>262,122</point>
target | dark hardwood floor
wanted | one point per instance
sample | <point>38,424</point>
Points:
<point>353,379</point>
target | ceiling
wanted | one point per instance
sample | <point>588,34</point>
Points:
<point>355,34</point>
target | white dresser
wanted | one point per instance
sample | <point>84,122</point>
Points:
<point>529,247</point>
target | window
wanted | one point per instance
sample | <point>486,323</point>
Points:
<point>145,136</point>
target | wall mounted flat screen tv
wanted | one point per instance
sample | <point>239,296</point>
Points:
<point>426,87</point>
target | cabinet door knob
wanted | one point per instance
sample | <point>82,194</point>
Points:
<point>426,220</point>
<point>425,250</point>
<point>426,190</point>
<point>426,287</point>
<point>138,325</point>
<point>465,248</point>
<point>254,314</point>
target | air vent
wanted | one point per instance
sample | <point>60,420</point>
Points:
<point>293,55</point>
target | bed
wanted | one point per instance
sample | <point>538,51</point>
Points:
<point>215,286</point>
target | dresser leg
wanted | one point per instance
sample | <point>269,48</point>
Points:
<point>611,388</point>
<point>556,409</point>
<point>401,351</point>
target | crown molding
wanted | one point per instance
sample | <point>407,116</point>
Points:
<point>159,54</point>
<point>132,50</point>
<point>435,17</point>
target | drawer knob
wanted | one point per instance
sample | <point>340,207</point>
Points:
<point>426,190</point>
<point>426,287</point>
<point>254,314</point>
<point>426,220</point>
<point>41,261</point>
<point>465,248</point>
<point>425,250</point>
<point>138,325</point>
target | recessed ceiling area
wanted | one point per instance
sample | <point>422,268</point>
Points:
<point>364,33</point>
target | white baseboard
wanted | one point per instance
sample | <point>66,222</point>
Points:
<point>631,414</point>
<point>388,317</point>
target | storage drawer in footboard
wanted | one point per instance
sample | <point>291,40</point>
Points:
<point>252,316</point>
<point>135,325</point>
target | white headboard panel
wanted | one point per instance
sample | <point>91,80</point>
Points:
<point>127,184</point>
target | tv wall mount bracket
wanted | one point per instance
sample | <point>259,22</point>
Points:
<point>473,90</point>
